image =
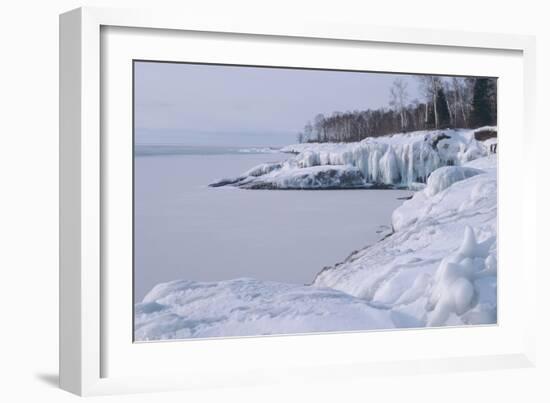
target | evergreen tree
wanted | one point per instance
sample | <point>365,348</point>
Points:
<point>492,95</point>
<point>444,117</point>
<point>429,117</point>
<point>483,111</point>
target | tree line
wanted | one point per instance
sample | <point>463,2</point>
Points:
<point>446,102</point>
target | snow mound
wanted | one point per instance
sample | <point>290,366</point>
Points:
<point>243,307</point>
<point>454,291</point>
<point>444,177</point>
<point>420,273</point>
<point>401,160</point>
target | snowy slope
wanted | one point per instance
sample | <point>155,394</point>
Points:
<point>439,267</point>
<point>241,307</point>
<point>401,160</point>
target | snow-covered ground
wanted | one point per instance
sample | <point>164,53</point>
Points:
<point>438,268</point>
<point>402,160</point>
<point>245,306</point>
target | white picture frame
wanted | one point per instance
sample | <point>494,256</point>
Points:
<point>90,345</point>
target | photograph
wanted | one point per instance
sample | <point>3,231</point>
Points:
<point>277,200</point>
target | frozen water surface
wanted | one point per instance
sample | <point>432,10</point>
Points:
<point>187,230</point>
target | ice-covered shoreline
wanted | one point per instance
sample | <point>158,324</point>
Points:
<point>438,267</point>
<point>403,160</point>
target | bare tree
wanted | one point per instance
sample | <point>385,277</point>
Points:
<point>460,101</point>
<point>319,125</point>
<point>444,102</point>
<point>308,132</point>
<point>398,100</point>
<point>429,86</point>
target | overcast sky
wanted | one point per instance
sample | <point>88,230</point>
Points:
<point>190,100</point>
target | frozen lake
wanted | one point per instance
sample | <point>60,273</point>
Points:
<point>186,230</point>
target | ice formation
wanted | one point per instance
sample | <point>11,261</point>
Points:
<point>420,273</point>
<point>456,287</point>
<point>402,160</point>
<point>314,177</point>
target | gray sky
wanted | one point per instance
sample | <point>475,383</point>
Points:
<point>192,103</point>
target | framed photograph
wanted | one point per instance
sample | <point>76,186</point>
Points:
<point>252,202</point>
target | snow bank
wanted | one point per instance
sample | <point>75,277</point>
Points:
<point>242,307</point>
<point>400,160</point>
<point>420,273</point>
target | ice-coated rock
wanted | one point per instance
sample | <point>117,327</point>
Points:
<point>401,161</point>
